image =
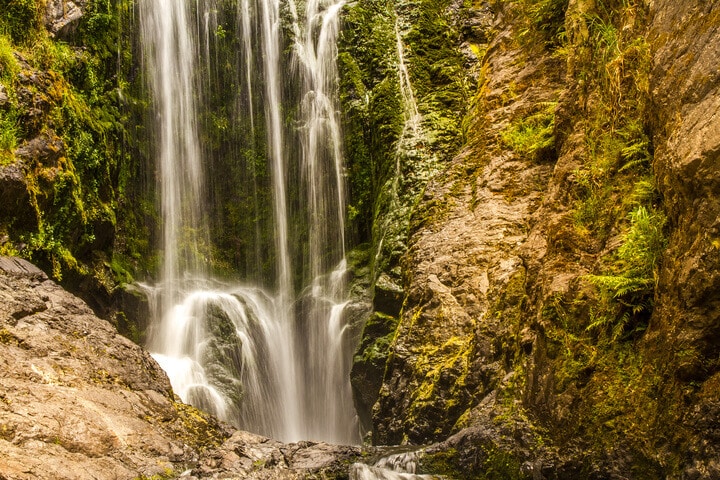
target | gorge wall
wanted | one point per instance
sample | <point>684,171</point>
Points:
<point>533,210</point>
<point>558,284</point>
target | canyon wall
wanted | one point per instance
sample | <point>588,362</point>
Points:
<point>559,284</point>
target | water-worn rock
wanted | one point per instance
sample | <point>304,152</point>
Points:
<point>246,455</point>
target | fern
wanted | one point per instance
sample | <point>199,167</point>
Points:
<point>628,290</point>
<point>619,286</point>
<point>533,134</point>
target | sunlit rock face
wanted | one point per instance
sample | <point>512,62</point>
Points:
<point>501,327</point>
<point>77,396</point>
<point>62,17</point>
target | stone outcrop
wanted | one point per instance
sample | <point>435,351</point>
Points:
<point>684,331</point>
<point>78,400</point>
<point>62,17</point>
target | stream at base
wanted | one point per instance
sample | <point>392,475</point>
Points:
<point>398,466</point>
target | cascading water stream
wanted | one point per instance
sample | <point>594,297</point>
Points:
<point>327,393</point>
<point>170,47</point>
<point>260,356</point>
<point>399,466</point>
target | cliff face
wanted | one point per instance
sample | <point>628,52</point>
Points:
<point>685,327</point>
<point>560,283</point>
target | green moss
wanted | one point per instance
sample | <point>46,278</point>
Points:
<point>75,198</point>
<point>9,133</point>
<point>7,338</point>
<point>20,19</point>
<point>198,429</point>
<point>9,66</point>
<point>444,462</point>
<point>168,474</point>
<point>439,376</point>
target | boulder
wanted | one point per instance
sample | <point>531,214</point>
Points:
<point>62,17</point>
<point>78,400</point>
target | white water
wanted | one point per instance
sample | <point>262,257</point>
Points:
<point>169,58</point>
<point>326,389</point>
<point>263,357</point>
<point>400,466</point>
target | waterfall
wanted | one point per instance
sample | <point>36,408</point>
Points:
<point>327,393</point>
<point>268,354</point>
<point>169,57</point>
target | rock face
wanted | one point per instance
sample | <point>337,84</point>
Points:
<point>684,332</point>
<point>77,400</point>
<point>464,257</point>
<point>510,339</point>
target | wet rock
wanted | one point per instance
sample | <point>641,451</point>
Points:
<point>246,455</point>
<point>369,364</point>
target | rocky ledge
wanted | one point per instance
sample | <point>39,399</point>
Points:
<point>78,400</point>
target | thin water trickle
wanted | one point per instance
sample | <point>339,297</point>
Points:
<point>265,358</point>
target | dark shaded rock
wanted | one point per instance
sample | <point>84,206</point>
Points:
<point>369,364</point>
<point>45,149</point>
<point>14,199</point>
<point>388,298</point>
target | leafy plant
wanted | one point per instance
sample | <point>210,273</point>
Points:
<point>628,288</point>
<point>533,136</point>
<point>546,18</point>
<point>9,132</point>
<point>8,63</point>
<point>20,18</point>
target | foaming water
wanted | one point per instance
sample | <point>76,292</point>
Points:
<point>400,466</point>
<point>225,350</point>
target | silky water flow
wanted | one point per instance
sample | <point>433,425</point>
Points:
<point>275,359</point>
